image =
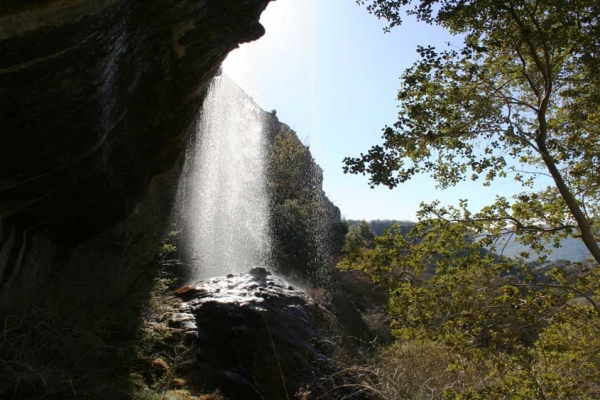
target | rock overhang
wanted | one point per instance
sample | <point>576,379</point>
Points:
<point>97,98</point>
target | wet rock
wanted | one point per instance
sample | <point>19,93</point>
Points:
<point>259,273</point>
<point>190,291</point>
<point>269,346</point>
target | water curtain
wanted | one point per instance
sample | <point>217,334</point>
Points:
<point>224,196</point>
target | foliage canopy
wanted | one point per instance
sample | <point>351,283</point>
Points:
<point>520,98</point>
<point>511,330</point>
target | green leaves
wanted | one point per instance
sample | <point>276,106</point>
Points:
<point>520,99</point>
<point>513,331</point>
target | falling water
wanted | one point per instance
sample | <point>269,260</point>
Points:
<point>224,196</point>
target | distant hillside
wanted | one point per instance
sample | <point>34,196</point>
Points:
<point>379,225</point>
<point>572,249</point>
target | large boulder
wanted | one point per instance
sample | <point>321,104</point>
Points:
<point>257,337</point>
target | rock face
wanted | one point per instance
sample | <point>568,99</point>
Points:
<point>96,98</point>
<point>307,228</point>
<point>256,337</point>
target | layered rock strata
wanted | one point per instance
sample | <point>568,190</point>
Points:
<point>96,98</point>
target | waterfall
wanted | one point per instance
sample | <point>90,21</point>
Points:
<point>224,206</point>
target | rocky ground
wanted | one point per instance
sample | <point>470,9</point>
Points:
<point>254,336</point>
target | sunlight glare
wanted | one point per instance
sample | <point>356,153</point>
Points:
<point>287,26</point>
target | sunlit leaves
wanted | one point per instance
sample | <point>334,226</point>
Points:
<point>520,99</point>
<point>530,333</point>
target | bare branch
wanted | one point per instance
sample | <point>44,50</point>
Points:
<point>592,302</point>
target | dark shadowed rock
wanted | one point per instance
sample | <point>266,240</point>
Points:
<point>256,337</point>
<point>96,98</point>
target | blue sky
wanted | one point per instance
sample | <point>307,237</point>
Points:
<point>332,75</point>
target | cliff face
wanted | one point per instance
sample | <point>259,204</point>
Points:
<point>96,98</point>
<point>307,228</point>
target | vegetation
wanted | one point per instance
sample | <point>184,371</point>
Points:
<point>520,99</point>
<point>76,335</point>
<point>106,338</point>
<point>380,225</point>
<point>307,229</point>
<point>497,314</point>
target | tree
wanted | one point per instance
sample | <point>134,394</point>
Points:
<point>504,328</point>
<point>359,237</point>
<point>520,98</point>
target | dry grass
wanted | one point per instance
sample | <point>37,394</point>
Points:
<point>416,370</point>
<point>420,370</point>
<point>164,355</point>
<point>69,344</point>
<point>44,357</point>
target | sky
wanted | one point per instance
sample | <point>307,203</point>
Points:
<point>332,74</point>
